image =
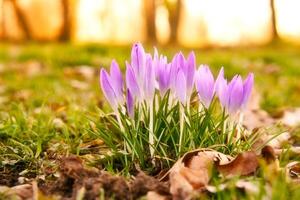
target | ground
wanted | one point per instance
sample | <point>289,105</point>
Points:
<point>49,94</point>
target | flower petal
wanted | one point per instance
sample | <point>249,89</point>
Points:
<point>235,94</point>
<point>107,89</point>
<point>247,88</point>
<point>190,72</point>
<point>116,80</point>
<point>138,58</point>
<point>220,80</point>
<point>181,87</point>
<point>205,85</point>
<point>130,104</point>
<point>131,82</point>
<point>149,82</point>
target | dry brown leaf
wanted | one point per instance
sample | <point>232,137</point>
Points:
<point>247,186</point>
<point>91,144</point>
<point>291,117</point>
<point>86,72</point>
<point>244,164</point>
<point>268,154</point>
<point>23,191</point>
<point>293,171</point>
<point>192,172</point>
<point>257,118</point>
<point>155,196</point>
<point>80,85</point>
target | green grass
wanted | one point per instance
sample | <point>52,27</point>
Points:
<point>43,116</point>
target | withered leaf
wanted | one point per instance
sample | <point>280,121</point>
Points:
<point>244,164</point>
<point>268,154</point>
<point>293,170</point>
<point>192,172</point>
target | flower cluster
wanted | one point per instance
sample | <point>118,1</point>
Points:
<point>153,106</point>
<point>146,74</point>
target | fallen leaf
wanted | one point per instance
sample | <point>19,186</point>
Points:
<point>91,144</point>
<point>293,171</point>
<point>24,191</point>
<point>155,196</point>
<point>192,172</point>
<point>80,85</point>
<point>86,72</point>
<point>291,117</point>
<point>244,164</point>
<point>268,154</point>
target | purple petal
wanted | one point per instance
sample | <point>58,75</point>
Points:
<point>164,79</point>
<point>220,79</point>
<point>149,80</point>
<point>181,87</point>
<point>107,89</point>
<point>173,73</point>
<point>205,85</point>
<point>235,94</point>
<point>181,63</point>
<point>223,93</point>
<point>131,82</point>
<point>116,80</point>
<point>247,88</point>
<point>130,104</point>
<point>190,73</point>
<point>138,59</point>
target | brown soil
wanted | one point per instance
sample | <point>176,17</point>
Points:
<point>93,183</point>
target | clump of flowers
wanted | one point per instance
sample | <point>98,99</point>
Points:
<point>162,109</point>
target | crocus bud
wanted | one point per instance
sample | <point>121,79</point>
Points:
<point>130,104</point>
<point>138,61</point>
<point>117,80</point>
<point>180,90</point>
<point>190,66</point>
<point>205,85</point>
<point>247,88</point>
<point>149,82</point>
<point>108,90</point>
<point>131,82</point>
<point>235,91</point>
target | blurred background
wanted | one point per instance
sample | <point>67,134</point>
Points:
<point>190,23</point>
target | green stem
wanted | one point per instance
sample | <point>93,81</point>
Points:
<point>240,124</point>
<point>120,122</point>
<point>181,114</point>
<point>151,132</point>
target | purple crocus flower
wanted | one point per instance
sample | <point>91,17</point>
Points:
<point>190,69</point>
<point>112,85</point>
<point>234,96</point>
<point>187,68</point>
<point>138,62</point>
<point>149,82</point>
<point>130,104</point>
<point>162,72</point>
<point>205,85</point>
<point>181,87</point>
<point>247,88</point>
<point>131,82</point>
<point>221,88</point>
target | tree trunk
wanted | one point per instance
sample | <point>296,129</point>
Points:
<point>174,15</point>
<point>65,33</point>
<point>21,19</point>
<point>274,29</point>
<point>150,20</point>
<point>3,34</point>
